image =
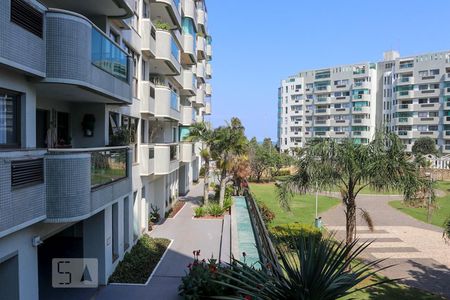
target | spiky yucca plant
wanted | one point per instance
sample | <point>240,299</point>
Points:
<point>313,269</point>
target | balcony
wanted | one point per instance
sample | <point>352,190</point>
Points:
<point>361,110</point>
<point>427,93</point>
<point>446,119</point>
<point>405,94</point>
<point>363,97</point>
<point>147,96</point>
<point>207,110</point>
<point>190,10</point>
<point>339,123</point>
<point>208,89</point>
<point>85,180</point>
<point>200,98</point>
<point>201,71</point>
<point>115,9</point>
<point>166,158</point>
<point>427,106</point>
<point>322,89</point>
<point>321,111</point>
<point>341,87</point>
<point>361,85</point>
<point>342,99</point>
<point>322,100</point>
<point>148,41</point>
<point>167,58</point>
<point>209,52</point>
<point>187,153</point>
<point>320,122</point>
<point>361,134</point>
<point>202,19</point>
<point>405,80</point>
<point>208,71</point>
<point>340,111</point>
<point>167,103</point>
<point>201,47</point>
<point>189,55</point>
<point>405,66</point>
<point>426,121</point>
<point>364,122</point>
<point>446,91</point>
<point>189,83</point>
<point>403,121</point>
<point>431,134</point>
<point>168,11</point>
<point>405,134</point>
<point>446,134</point>
<point>187,117</point>
<point>339,134</point>
<point>83,64</point>
<point>147,161</point>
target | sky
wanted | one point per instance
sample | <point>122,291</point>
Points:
<point>257,43</point>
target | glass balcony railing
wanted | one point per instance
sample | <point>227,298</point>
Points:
<point>406,65</point>
<point>174,50</point>
<point>108,56</point>
<point>108,166</point>
<point>402,120</point>
<point>174,101</point>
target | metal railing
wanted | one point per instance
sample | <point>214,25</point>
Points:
<point>267,252</point>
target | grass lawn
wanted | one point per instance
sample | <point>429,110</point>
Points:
<point>139,263</point>
<point>302,206</point>
<point>392,290</point>
<point>438,216</point>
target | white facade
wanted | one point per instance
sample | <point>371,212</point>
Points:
<point>69,83</point>
<point>337,102</point>
<point>407,95</point>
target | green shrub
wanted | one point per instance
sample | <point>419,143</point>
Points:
<point>162,25</point>
<point>214,209</point>
<point>295,230</point>
<point>138,264</point>
<point>199,212</point>
<point>154,214</point>
<point>202,280</point>
<point>227,203</point>
<point>284,173</point>
<point>202,172</point>
<point>266,213</point>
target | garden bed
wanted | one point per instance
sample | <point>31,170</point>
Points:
<point>139,263</point>
<point>176,208</point>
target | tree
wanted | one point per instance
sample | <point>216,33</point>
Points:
<point>200,132</point>
<point>229,141</point>
<point>424,146</point>
<point>447,229</point>
<point>240,170</point>
<point>381,165</point>
<point>262,157</point>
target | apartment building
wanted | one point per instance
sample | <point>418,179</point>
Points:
<point>95,102</point>
<point>337,102</point>
<point>415,97</point>
<point>407,95</point>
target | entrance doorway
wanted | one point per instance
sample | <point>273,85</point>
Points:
<point>42,125</point>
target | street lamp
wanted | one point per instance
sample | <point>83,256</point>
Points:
<point>430,176</point>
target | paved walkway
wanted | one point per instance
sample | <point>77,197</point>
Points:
<point>187,234</point>
<point>420,255</point>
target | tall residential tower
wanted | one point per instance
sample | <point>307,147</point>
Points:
<point>96,98</point>
<point>406,95</point>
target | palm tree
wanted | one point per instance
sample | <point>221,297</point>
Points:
<point>230,141</point>
<point>447,229</point>
<point>381,165</point>
<point>200,132</point>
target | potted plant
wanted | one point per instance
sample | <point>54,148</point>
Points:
<point>162,26</point>
<point>122,137</point>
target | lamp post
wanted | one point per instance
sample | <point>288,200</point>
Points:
<point>317,220</point>
<point>430,176</point>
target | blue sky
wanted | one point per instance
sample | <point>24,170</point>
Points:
<point>257,43</point>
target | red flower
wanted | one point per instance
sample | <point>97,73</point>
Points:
<point>247,297</point>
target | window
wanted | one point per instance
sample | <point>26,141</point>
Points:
<point>434,72</point>
<point>27,17</point>
<point>9,119</point>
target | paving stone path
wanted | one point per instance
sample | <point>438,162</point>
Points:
<point>420,255</point>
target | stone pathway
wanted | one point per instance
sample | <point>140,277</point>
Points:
<point>187,234</point>
<point>420,255</point>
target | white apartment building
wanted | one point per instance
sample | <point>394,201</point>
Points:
<point>407,95</point>
<point>337,102</point>
<point>95,101</point>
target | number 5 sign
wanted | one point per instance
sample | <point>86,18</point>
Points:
<point>74,273</point>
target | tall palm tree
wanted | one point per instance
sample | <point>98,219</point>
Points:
<point>381,165</point>
<point>230,141</point>
<point>200,132</point>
